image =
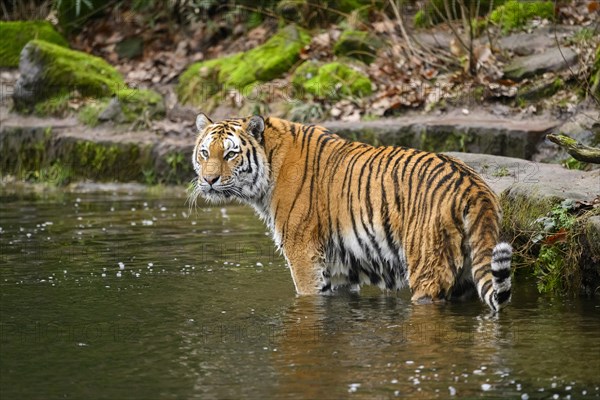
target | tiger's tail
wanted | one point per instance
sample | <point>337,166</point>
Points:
<point>493,283</point>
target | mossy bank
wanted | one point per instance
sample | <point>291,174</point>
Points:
<point>16,34</point>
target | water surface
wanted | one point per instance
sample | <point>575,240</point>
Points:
<point>127,295</point>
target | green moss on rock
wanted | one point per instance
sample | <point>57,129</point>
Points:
<point>331,81</point>
<point>70,69</point>
<point>514,14</point>
<point>134,102</point>
<point>16,34</point>
<point>131,105</point>
<point>359,45</point>
<point>48,70</point>
<point>261,64</point>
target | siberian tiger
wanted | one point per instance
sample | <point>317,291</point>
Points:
<point>347,213</point>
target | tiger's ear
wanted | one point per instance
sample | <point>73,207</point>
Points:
<point>256,127</point>
<point>202,121</point>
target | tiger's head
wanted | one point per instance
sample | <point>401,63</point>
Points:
<point>229,159</point>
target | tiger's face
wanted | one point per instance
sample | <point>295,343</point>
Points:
<point>229,159</point>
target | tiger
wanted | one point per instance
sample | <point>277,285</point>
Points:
<point>346,214</point>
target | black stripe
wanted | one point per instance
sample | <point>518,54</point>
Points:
<point>501,274</point>
<point>502,297</point>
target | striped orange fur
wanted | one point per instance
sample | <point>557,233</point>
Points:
<point>347,213</point>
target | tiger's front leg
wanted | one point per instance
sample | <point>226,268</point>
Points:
<point>307,268</point>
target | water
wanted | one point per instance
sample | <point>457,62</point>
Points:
<point>116,295</point>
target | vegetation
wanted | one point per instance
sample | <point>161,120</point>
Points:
<point>514,14</point>
<point>261,64</point>
<point>331,81</point>
<point>16,34</point>
<point>66,71</point>
<point>548,240</point>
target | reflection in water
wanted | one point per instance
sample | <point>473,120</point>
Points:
<point>204,308</point>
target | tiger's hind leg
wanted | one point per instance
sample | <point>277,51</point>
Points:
<point>433,273</point>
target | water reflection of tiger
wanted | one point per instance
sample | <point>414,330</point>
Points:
<point>346,213</point>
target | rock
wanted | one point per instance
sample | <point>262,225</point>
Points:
<point>330,81</point>
<point>261,64</point>
<point>359,45</point>
<point>533,180</point>
<point>525,44</point>
<point>552,60</point>
<point>16,34</point>
<point>112,112</point>
<point>130,48</point>
<point>128,105</point>
<point>475,133</point>
<point>48,70</point>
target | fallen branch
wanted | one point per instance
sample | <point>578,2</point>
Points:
<point>577,150</point>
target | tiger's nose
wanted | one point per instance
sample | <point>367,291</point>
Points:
<point>211,179</point>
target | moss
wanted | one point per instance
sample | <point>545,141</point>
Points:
<point>359,45</point>
<point>444,141</point>
<point>434,11</point>
<point>135,102</point>
<point>331,81</point>
<point>56,106</point>
<point>70,71</point>
<point>261,64</point>
<point>515,14</point>
<point>89,114</point>
<point>16,34</point>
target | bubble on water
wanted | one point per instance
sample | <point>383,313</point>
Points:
<point>353,387</point>
<point>112,209</point>
<point>394,381</point>
<point>584,392</point>
<point>121,265</point>
<point>478,372</point>
<point>555,396</point>
<point>81,344</point>
<point>259,264</point>
<point>519,387</point>
<point>150,265</point>
<point>163,208</point>
<point>410,362</point>
<point>396,393</point>
<point>524,396</point>
<point>553,385</point>
<point>452,390</point>
<point>416,381</point>
<point>29,235</point>
<point>103,275</point>
<point>118,274</point>
<point>137,274</point>
<point>485,387</point>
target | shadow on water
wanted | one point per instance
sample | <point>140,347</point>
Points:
<point>127,295</point>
